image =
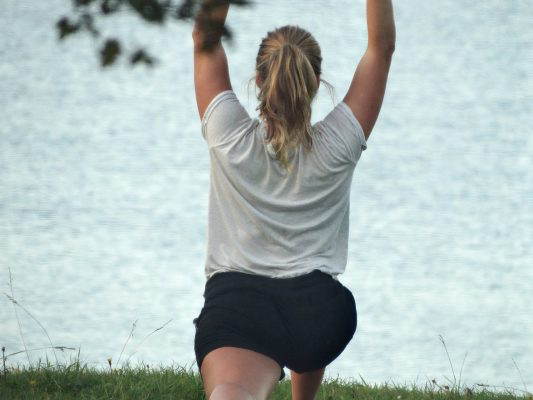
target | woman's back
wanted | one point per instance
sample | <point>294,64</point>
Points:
<point>266,220</point>
<point>279,206</point>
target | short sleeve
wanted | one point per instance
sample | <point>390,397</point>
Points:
<point>224,118</point>
<point>344,133</point>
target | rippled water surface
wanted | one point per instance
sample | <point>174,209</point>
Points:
<point>104,183</point>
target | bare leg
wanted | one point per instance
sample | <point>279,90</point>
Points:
<point>305,385</point>
<point>239,374</point>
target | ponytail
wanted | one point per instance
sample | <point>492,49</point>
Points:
<point>288,65</point>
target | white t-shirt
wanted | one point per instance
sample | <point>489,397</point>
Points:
<point>262,221</point>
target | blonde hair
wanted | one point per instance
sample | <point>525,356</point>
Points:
<point>289,67</point>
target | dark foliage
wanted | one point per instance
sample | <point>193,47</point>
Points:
<point>67,27</point>
<point>110,52</point>
<point>150,10</point>
<point>141,56</point>
<point>110,6</point>
<point>87,12</point>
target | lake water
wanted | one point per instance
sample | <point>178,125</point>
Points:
<point>104,181</point>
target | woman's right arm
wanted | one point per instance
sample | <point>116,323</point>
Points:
<point>367,89</point>
<point>211,72</point>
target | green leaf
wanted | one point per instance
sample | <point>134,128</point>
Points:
<point>82,3</point>
<point>149,10</point>
<point>66,27</point>
<point>186,10</point>
<point>87,21</point>
<point>142,56</point>
<point>109,52</point>
<point>110,6</point>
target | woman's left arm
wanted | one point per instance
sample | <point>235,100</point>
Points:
<point>211,74</point>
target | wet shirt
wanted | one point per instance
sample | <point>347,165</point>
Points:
<point>263,220</point>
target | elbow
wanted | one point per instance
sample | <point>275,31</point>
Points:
<point>389,48</point>
<point>384,43</point>
<point>387,53</point>
<point>196,36</point>
<point>385,47</point>
<point>390,44</point>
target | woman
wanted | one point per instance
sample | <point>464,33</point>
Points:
<point>279,208</point>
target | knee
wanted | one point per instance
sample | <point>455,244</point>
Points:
<point>230,391</point>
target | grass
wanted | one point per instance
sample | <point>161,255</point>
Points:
<point>77,381</point>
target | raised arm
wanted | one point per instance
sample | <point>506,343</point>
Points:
<point>367,89</point>
<point>211,74</point>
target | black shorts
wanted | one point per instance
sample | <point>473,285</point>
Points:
<point>303,323</point>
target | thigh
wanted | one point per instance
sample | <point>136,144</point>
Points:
<point>256,373</point>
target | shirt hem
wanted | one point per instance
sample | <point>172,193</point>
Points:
<point>305,271</point>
